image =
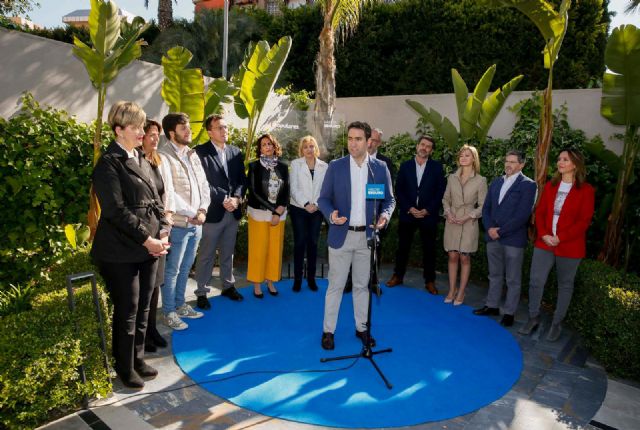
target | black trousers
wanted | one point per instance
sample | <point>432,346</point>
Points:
<point>130,286</point>
<point>406,230</point>
<point>153,306</point>
<point>306,231</point>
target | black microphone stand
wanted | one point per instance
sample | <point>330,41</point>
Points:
<point>367,352</point>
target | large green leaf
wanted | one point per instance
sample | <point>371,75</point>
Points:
<point>92,60</point>
<point>493,104</point>
<point>620,102</point>
<point>104,25</point>
<point>473,107</point>
<point>597,148</point>
<point>183,89</point>
<point>441,124</point>
<point>262,71</point>
<point>461,91</point>
<point>256,78</point>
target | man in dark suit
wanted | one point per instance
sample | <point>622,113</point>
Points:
<point>419,189</point>
<point>374,142</point>
<point>223,165</point>
<point>350,215</point>
<point>505,214</point>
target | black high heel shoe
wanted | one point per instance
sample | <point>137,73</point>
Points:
<point>259,296</point>
<point>311,282</point>
<point>273,293</point>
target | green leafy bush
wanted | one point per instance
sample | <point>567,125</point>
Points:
<point>45,169</point>
<point>41,349</point>
<point>605,310</point>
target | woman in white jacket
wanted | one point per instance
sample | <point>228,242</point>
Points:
<point>307,174</point>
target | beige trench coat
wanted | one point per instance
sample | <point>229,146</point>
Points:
<point>462,200</point>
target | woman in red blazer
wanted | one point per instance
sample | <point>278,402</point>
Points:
<point>563,216</point>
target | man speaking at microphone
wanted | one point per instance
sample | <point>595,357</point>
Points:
<point>344,202</point>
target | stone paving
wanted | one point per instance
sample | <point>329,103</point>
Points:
<point>559,388</point>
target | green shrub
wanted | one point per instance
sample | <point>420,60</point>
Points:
<point>45,169</point>
<point>40,351</point>
<point>605,310</point>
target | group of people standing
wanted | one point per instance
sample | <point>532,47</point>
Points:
<point>164,205</point>
<point>562,217</point>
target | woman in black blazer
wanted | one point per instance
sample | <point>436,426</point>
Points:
<point>152,130</point>
<point>131,235</point>
<point>267,212</point>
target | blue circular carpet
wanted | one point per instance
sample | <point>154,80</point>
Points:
<point>445,362</point>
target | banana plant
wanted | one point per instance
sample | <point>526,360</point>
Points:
<point>476,111</point>
<point>620,105</point>
<point>553,27</point>
<point>183,91</point>
<point>114,46</point>
<point>255,80</point>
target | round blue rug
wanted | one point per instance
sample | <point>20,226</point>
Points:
<point>446,362</point>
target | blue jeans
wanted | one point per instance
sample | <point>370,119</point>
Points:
<point>182,254</point>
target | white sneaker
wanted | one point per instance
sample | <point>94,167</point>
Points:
<point>186,311</point>
<point>172,320</point>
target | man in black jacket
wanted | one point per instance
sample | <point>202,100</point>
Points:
<point>224,167</point>
<point>419,190</point>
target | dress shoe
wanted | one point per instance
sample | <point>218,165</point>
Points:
<point>486,310</point>
<point>507,320</point>
<point>259,296</point>
<point>362,335</point>
<point>203,303</point>
<point>327,341</point>
<point>554,332</point>
<point>395,280</point>
<point>529,326</point>
<point>144,370</point>
<point>131,379</point>
<point>232,293</point>
<point>273,292</point>
<point>431,288</point>
<point>311,282</point>
<point>297,285</point>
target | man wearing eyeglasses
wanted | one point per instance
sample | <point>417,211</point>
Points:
<point>224,167</point>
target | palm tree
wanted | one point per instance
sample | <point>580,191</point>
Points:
<point>165,13</point>
<point>632,6</point>
<point>340,17</point>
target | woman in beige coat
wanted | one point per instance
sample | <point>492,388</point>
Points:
<point>462,203</point>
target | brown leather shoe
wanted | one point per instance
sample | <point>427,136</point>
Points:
<point>395,280</point>
<point>431,288</point>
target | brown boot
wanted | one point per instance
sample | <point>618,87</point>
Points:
<point>395,280</point>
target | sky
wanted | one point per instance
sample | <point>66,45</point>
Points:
<point>50,12</point>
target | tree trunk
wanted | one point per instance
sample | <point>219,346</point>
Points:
<point>545,136</point>
<point>325,69</point>
<point>94,206</point>
<point>612,246</point>
<point>165,14</point>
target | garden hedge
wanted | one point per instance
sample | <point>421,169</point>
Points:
<point>40,351</point>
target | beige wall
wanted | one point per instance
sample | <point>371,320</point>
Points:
<point>50,71</point>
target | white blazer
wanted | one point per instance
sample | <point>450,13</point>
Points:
<point>304,188</point>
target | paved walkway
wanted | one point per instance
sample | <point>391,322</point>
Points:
<point>560,387</point>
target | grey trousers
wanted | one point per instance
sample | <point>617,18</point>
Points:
<point>504,262</point>
<point>355,254</point>
<point>566,269</point>
<point>222,236</point>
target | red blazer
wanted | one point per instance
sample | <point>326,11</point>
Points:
<point>573,222</point>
